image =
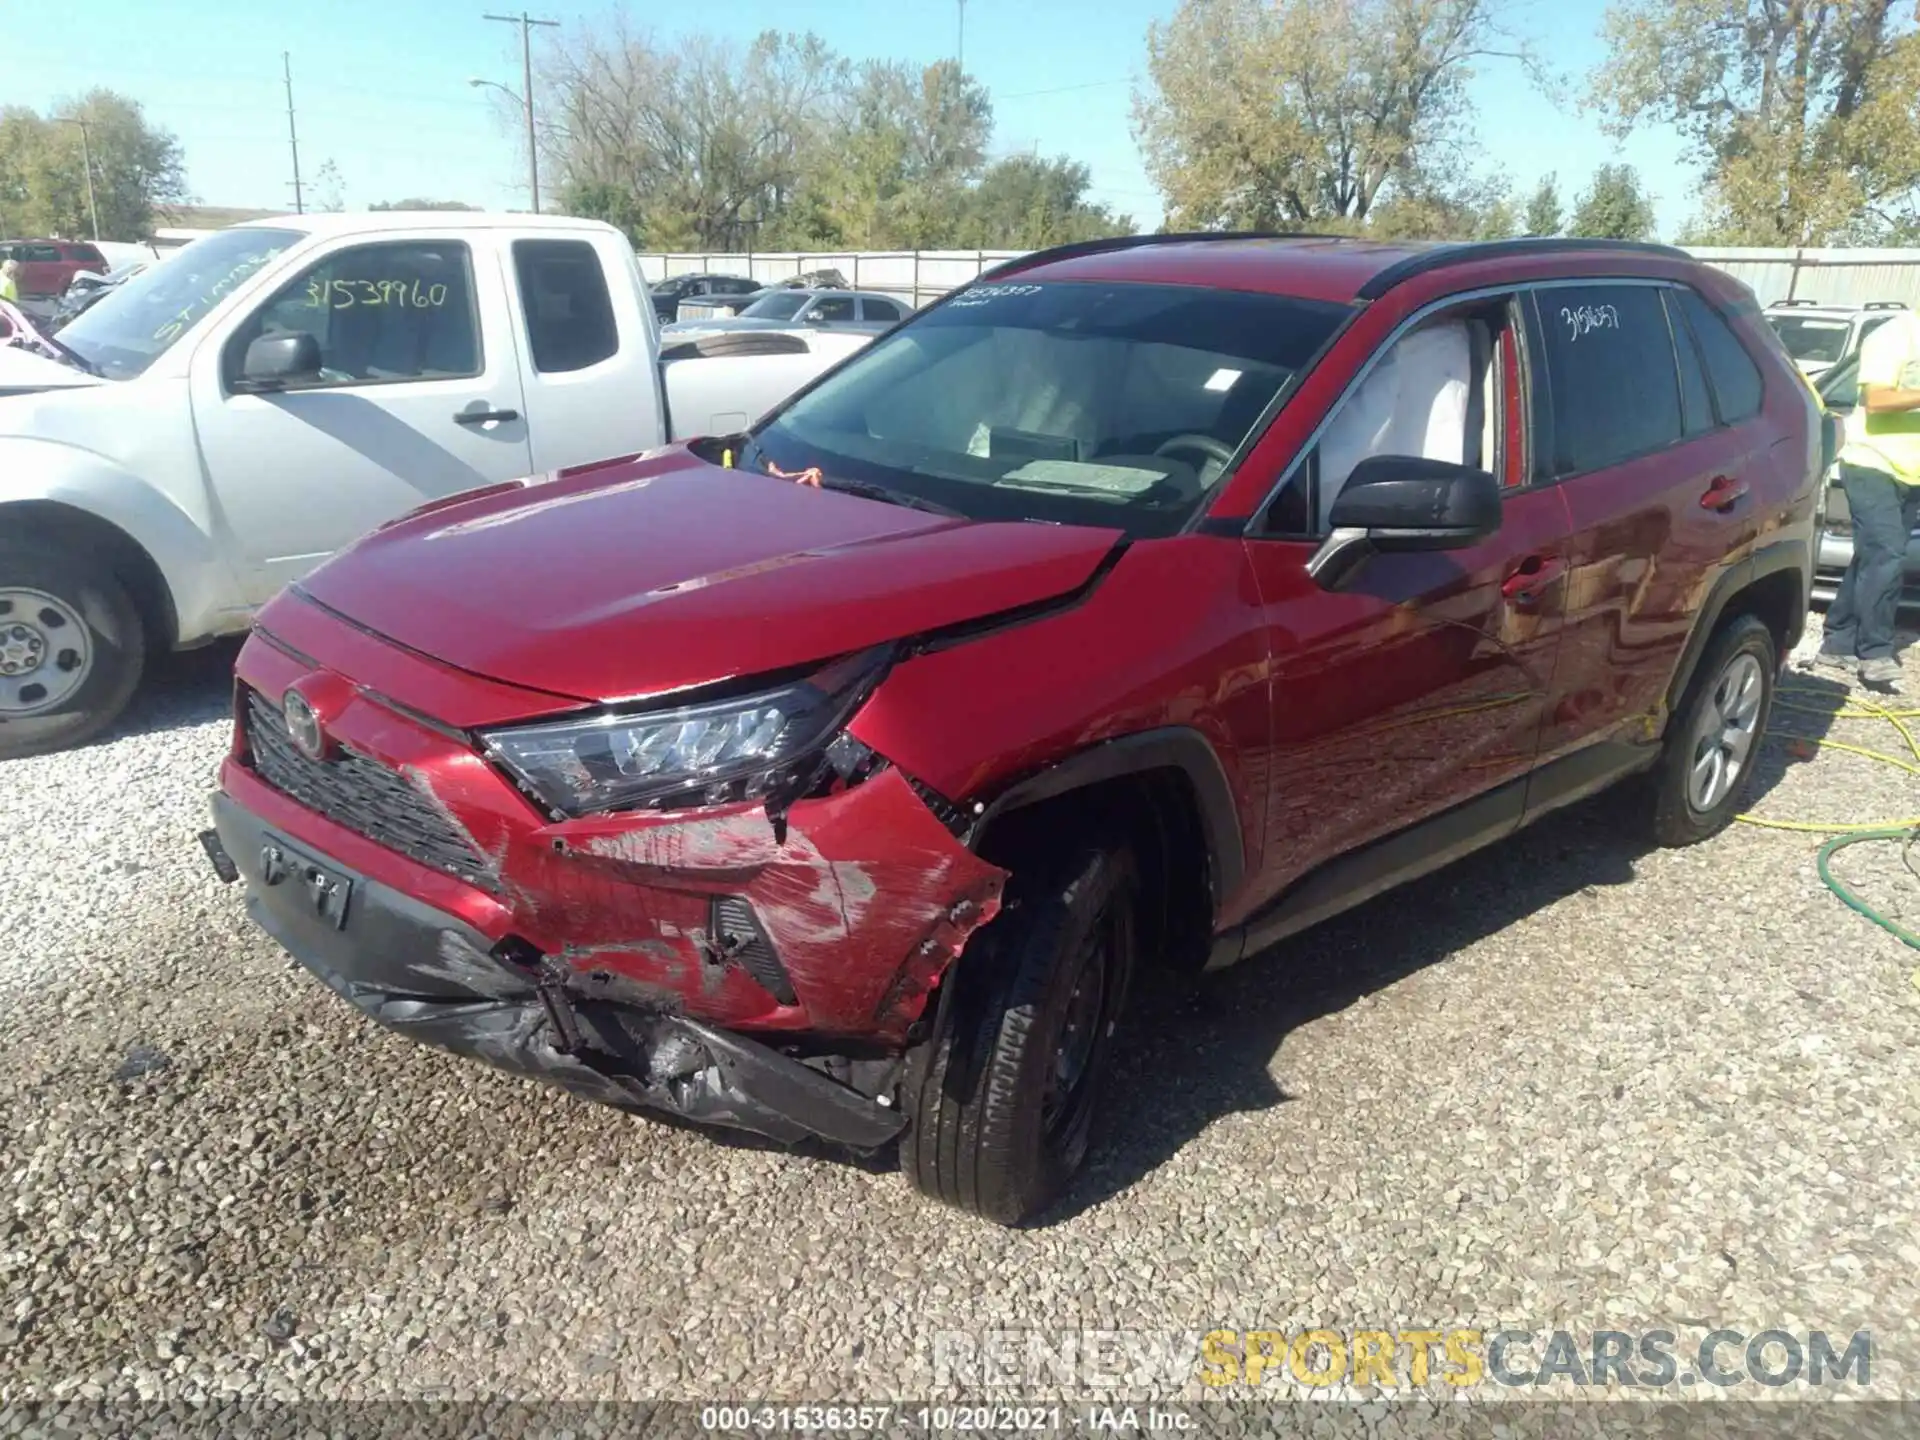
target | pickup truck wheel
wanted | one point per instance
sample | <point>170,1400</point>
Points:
<point>71,649</point>
<point>1714,739</point>
<point>1001,1096</point>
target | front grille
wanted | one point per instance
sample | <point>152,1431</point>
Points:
<point>364,796</point>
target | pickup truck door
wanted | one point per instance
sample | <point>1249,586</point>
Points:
<point>419,396</point>
<point>583,319</point>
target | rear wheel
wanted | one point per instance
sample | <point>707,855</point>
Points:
<point>71,648</point>
<point>1001,1097</point>
<point>1703,776</point>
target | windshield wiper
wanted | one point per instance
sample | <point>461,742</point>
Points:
<point>869,491</point>
<point>76,359</point>
<point>753,458</point>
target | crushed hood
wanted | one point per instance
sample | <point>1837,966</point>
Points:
<point>667,573</point>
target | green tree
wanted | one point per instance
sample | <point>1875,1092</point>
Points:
<point>1613,207</point>
<point>603,200</point>
<point>416,203</point>
<point>1419,206</point>
<point>709,140</point>
<point>1544,215</point>
<point>1296,113</point>
<point>1800,112</point>
<point>1027,203</point>
<point>138,169</point>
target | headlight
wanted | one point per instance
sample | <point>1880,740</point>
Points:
<point>710,754</point>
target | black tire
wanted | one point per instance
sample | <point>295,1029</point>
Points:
<point>1676,819</point>
<point>988,1132</point>
<point>114,648</point>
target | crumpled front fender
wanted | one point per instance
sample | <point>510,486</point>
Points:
<point>865,902</point>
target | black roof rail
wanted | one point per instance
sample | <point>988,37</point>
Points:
<point>1074,249</point>
<point>1886,305</point>
<point>1790,304</point>
<point>1443,256</point>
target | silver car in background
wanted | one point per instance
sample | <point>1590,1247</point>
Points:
<point>859,311</point>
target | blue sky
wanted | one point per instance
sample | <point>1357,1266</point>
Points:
<point>381,88</point>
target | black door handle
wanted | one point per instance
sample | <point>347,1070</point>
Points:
<point>481,417</point>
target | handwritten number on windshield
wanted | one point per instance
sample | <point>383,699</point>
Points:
<point>345,294</point>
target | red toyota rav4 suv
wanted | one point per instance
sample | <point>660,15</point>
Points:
<point>1142,603</point>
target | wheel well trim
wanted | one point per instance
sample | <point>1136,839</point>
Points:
<point>152,591</point>
<point>1172,747</point>
<point>1770,560</point>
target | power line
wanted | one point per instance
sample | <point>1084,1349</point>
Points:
<point>1061,89</point>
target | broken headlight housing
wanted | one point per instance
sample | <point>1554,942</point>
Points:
<point>714,753</point>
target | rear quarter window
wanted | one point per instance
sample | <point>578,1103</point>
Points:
<point>1730,369</point>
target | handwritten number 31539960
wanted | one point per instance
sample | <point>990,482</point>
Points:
<point>345,294</point>
<point>1585,319</point>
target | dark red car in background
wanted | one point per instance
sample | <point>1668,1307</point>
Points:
<point>834,778</point>
<point>47,266</point>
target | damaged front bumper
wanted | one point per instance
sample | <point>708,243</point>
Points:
<point>427,975</point>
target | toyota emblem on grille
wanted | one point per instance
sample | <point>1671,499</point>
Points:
<point>303,726</point>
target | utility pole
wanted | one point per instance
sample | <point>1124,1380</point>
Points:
<point>526,23</point>
<point>293,137</point>
<point>86,159</point>
<point>960,50</point>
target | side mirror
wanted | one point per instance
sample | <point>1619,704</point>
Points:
<point>275,361</point>
<point>1401,503</point>
<point>1830,438</point>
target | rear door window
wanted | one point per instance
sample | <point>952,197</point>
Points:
<point>563,295</point>
<point>1614,389</point>
<point>872,308</point>
<point>1734,376</point>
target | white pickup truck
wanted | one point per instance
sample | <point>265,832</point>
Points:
<point>269,393</point>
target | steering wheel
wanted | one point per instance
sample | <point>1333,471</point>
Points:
<point>1197,444</point>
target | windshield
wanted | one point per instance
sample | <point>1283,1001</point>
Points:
<point>133,324</point>
<point>1821,341</point>
<point>1077,403</point>
<point>782,305</point>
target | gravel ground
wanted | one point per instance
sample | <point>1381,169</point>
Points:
<point>1593,1087</point>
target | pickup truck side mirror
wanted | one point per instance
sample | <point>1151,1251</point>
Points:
<point>275,361</point>
<point>1402,503</point>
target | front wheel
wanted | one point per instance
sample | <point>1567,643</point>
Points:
<point>1001,1096</point>
<point>1703,776</point>
<point>71,648</point>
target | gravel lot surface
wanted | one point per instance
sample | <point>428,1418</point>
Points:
<point>1566,1083</point>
